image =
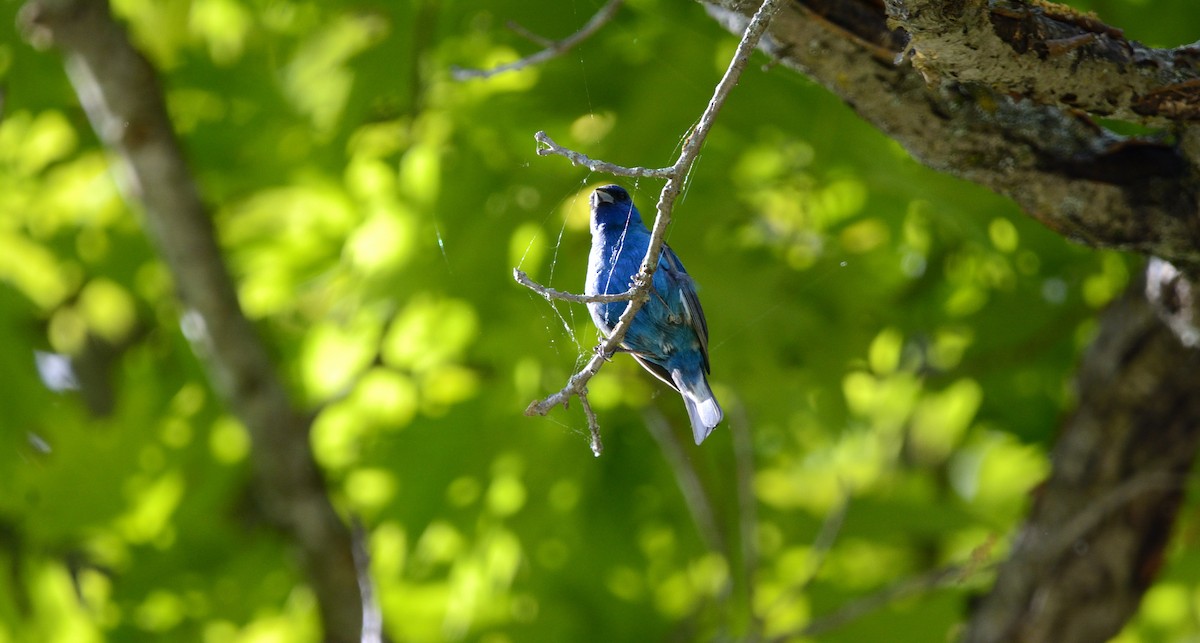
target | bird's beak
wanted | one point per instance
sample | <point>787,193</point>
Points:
<point>603,197</point>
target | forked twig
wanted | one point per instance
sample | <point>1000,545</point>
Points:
<point>553,48</point>
<point>516,28</point>
<point>676,177</point>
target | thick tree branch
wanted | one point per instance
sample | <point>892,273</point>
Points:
<point>121,95</point>
<point>1050,54</point>
<point>1077,178</point>
<point>675,180</point>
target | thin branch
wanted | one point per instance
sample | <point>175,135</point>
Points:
<point>694,496</point>
<point>743,454</point>
<point>937,578</point>
<point>676,177</point>
<point>581,160</point>
<point>551,294</point>
<point>831,527</point>
<point>593,423</point>
<point>576,386</point>
<point>518,29</point>
<point>552,50</point>
<point>826,538</point>
<point>980,560</point>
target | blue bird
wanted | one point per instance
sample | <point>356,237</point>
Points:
<point>669,336</point>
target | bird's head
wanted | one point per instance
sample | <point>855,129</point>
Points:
<point>611,205</point>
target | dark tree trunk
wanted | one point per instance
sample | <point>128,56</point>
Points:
<point>1094,539</point>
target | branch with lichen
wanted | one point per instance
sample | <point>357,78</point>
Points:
<point>1052,54</point>
<point>1083,181</point>
<point>676,177</point>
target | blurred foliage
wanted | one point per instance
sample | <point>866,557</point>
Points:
<point>897,344</point>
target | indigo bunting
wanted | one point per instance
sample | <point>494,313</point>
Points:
<point>668,336</point>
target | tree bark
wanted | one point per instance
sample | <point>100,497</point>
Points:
<point>120,92</point>
<point>1080,180</point>
<point>992,92</point>
<point>1093,541</point>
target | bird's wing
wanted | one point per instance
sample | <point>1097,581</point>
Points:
<point>672,267</point>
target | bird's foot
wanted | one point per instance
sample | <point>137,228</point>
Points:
<point>608,355</point>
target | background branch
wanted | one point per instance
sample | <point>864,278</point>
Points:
<point>551,294</point>
<point>695,497</point>
<point>937,578</point>
<point>747,519</point>
<point>120,92</point>
<point>553,48</point>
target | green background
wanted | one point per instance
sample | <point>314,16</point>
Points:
<point>896,345</point>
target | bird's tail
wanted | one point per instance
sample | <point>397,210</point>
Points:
<point>702,407</point>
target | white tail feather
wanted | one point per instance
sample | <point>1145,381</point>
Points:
<point>703,410</point>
